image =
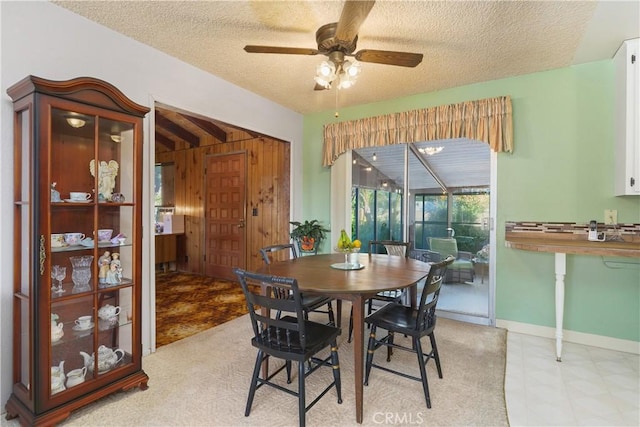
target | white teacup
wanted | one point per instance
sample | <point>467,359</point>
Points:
<point>84,322</point>
<point>57,240</point>
<point>104,234</point>
<point>79,195</point>
<point>73,238</point>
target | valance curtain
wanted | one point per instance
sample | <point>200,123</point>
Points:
<point>488,120</point>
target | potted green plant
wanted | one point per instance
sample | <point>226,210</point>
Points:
<point>308,234</point>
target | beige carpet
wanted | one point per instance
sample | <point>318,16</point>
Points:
<point>203,380</point>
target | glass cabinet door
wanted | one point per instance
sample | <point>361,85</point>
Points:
<point>91,229</point>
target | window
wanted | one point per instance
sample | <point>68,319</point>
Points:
<point>469,218</point>
<point>164,182</point>
<point>430,218</point>
<point>376,215</point>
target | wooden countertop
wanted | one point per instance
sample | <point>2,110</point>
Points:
<point>571,244</point>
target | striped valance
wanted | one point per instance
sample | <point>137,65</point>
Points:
<point>488,120</point>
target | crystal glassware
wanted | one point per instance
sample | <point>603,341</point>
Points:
<point>348,257</point>
<point>58,273</point>
<point>81,274</point>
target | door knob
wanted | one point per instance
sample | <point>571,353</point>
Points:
<point>241,224</point>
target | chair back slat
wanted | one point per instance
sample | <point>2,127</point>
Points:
<point>277,252</point>
<point>392,247</point>
<point>265,311</point>
<point>430,294</point>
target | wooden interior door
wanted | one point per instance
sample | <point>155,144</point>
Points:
<point>225,214</point>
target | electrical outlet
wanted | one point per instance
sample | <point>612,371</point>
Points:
<point>610,216</point>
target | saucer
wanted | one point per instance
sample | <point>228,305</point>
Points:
<point>88,242</point>
<point>78,201</point>
<point>78,328</point>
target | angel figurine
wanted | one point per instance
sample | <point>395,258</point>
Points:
<point>55,194</point>
<point>107,173</point>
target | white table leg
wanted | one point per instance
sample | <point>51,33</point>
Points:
<point>561,271</point>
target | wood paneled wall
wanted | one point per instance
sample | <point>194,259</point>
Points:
<point>268,171</point>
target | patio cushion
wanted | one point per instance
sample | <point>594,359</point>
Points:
<point>462,268</point>
<point>444,247</point>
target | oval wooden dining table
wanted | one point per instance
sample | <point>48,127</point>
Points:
<point>315,274</point>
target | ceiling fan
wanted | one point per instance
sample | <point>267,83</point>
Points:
<point>337,41</point>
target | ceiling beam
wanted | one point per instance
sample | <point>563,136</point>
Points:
<point>426,165</point>
<point>166,142</point>
<point>177,130</point>
<point>207,126</point>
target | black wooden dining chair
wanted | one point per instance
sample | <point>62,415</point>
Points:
<point>309,302</point>
<point>413,322</point>
<point>392,248</point>
<point>290,338</point>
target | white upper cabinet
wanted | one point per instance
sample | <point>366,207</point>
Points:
<point>627,119</point>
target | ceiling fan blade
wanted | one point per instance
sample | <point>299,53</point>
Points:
<point>320,87</point>
<point>387,57</point>
<point>353,15</point>
<point>283,50</point>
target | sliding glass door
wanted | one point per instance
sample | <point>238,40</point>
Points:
<point>414,192</point>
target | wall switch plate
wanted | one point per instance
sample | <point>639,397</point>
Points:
<point>610,216</point>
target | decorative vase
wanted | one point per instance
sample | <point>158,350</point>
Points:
<point>81,274</point>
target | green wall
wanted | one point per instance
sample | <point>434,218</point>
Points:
<point>561,170</point>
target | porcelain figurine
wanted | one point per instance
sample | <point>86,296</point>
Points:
<point>103,265</point>
<point>55,194</point>
<point>107,173</point>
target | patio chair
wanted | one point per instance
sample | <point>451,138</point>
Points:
<point>462,268</point>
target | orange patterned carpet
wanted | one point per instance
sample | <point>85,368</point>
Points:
<point>189,303</point>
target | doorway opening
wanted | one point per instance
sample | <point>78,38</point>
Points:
<point>225,190</point>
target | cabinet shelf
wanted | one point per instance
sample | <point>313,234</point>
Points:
<point>101,245</point>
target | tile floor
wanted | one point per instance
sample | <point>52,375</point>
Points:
<point>590,387</point>
<point>467,298</point>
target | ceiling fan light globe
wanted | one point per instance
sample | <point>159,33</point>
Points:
<point>351,68</point>
<point>346,81</point>
<point>326,69</point>
<point>322,82</point>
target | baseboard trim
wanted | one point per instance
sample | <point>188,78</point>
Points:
<point>601,341</point>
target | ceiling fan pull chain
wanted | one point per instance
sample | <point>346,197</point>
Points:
<point>337,114</point>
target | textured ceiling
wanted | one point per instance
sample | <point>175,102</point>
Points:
<point>463,42</point>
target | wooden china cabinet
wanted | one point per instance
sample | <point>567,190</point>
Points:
<point>76,303</point>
